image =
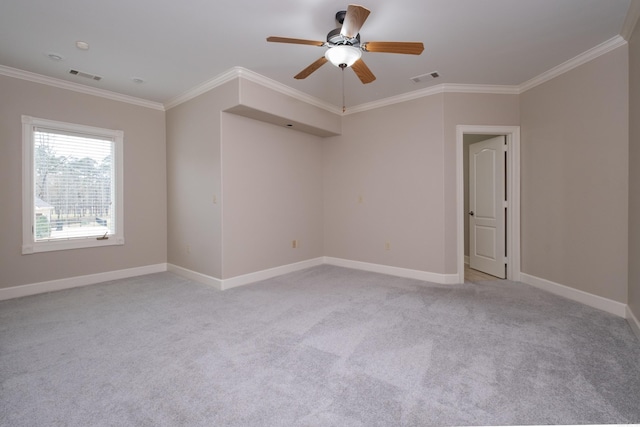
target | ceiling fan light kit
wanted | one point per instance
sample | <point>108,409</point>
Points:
<point>343,55</point>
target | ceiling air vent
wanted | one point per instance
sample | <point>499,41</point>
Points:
<point>85,75</point>
<point>423,77</point>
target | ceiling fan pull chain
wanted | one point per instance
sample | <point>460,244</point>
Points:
<point>344,107</point>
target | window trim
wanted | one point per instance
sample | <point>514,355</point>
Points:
<point>29,245</point>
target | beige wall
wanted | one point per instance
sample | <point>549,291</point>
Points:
<point>272,188</point>
<point>575,177</point>
<point>194,179</point>
<point>266,181</point>
<point>145,203</point>
<point>634,172</point>
<point>468,109</point>
<point>392,157</point>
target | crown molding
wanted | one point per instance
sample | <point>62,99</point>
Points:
<point>286,90</point>
<point>76,87</point>
<point>433,90</point>
<point>494,89</point>
<point>633,14</point>
<point>241,72</point>
<point>569,65</point>
<point>205,87</point>
<point>409,96</point>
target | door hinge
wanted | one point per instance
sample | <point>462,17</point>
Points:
<point>505,261</point>
<point>505,204</point>
<point>504,148</point>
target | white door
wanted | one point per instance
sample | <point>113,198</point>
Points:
<point>486,206</point>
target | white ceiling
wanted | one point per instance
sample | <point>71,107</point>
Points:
<point>176,46</point>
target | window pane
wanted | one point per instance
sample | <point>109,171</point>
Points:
<point>74,185</point>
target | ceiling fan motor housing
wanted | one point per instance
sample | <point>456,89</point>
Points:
<point>335,38</point>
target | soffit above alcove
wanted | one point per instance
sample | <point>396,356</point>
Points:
<point>263,116</point>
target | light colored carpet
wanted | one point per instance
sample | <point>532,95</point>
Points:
<point>326,346</point>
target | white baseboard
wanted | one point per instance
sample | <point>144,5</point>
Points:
<point>601,303</point>
<point>633,322</point>
<point>444,279</point>
<point>222,284</point>
<point>245,279</point>
<point>195,276</point>
<point>74,282</point>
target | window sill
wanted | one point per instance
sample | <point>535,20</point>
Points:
<point>71,244</point>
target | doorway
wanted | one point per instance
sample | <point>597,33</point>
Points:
<point>484,199</point>
<point>512,193</point>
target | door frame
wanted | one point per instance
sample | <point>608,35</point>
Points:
<point>512,136</point>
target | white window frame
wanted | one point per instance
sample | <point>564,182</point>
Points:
<point>29,245</point>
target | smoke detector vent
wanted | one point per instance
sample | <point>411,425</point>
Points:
<point>85,75</point>
<point>424,77</point>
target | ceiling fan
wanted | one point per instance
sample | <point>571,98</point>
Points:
<point>345,49</point>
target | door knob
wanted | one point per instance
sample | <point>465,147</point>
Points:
<point>471,213</point>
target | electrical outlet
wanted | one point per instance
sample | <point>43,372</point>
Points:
<point>294,244</point>
<point>387,246</point>
<point>215,199</point>
<point>188,249</point>
<point>360,199</point>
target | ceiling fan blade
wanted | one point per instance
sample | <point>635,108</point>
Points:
<point>294,41</point>
<point>353,20</point>
<point>311,68</point>
<point>410,48</point>
<point>363,72</point>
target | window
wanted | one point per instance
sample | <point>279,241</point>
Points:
<point>72,186</point>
